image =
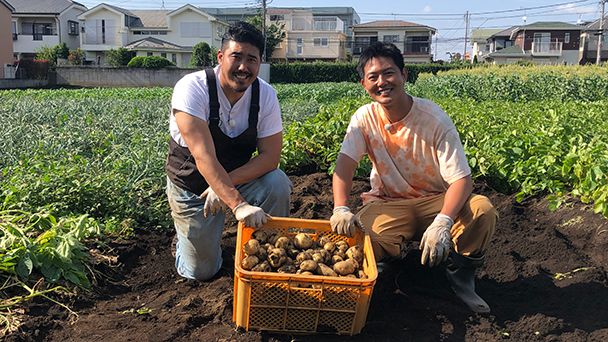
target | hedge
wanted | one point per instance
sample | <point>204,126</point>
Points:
<point>302,72</point>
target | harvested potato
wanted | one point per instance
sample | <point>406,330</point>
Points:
<point>335,258</point>
<point>272,238</point>
<point>340,254</point>
<point>344,267</point>
<point>282,242</point>
<point>277,257</point>
<point>261,236</point>
<point>303,256</point>
<point>287,269</point>
<point>362,274</point>
<point>323,240</point>
<point>330,247</point>
<point>342,246</point>
<point>262,267</point>
<point>249,262</point>
<point>349,276</point>
<point>302,241</point>
<point>325,270</point>
<point>355,252</point>
<point>308,265</point>
<point>251,247</point>
<point>262,253</point>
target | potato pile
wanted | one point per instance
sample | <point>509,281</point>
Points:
<point>302,255</point>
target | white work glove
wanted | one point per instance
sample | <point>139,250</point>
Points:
<point>343,222</point>
<point>213,204</point>
<point>436,240</point>
<point>251,216</point>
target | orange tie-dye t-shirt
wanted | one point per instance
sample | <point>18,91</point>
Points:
<point>419,156</point>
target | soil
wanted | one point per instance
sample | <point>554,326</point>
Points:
<point>544,279</point>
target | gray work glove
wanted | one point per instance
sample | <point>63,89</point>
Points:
<point>213,204</point>
<point>436,240</point>
<point>343,222</point>
<point>249,215</point>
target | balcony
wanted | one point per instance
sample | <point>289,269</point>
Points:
<point>28,43</point>
<point>317,24</point>
<point>547,49</point>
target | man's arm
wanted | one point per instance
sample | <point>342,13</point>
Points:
<point>197,136</point>
<point>456,196</point>
<point>343,179</point>
<point>267,159</point>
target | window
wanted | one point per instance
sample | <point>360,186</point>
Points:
<point>391,38</point>
<point>164,55</point>
<point>299,45</point>
<point>567,38</point>
<point>149,54</point>
<point>73,28</point>
<point>174,58</point>
<point>37,30</point>
<point>320,42</point>
<point>195,29</point>
<point>100,31</point>
<point>276,17</point>
<point>14,30</point>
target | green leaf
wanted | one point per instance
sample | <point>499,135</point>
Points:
<point>24,266</point>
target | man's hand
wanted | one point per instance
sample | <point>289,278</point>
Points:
<point>250,215</point>
<point>213,204</point>
<point>436,240</point>
<point>343,222</point>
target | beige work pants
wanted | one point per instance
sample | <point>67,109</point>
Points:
<point>391,223</point>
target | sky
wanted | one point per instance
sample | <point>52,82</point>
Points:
<point>446,16</point>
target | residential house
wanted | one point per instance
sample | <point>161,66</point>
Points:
<point>38,23</point>
<point>540,42</point>
<point>6,41</point>
<point>479,42</point>
<point>348,15</point>
<point>308,37</point>
<point>414,40</point>
<point>589,42</point>
<point>169,34</point>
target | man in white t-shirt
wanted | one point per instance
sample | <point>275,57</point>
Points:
<point>421,186</point>
<point>219,118</point>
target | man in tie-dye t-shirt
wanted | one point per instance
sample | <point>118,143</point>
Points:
<point>421,186</point>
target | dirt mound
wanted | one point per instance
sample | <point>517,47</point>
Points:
<point>544,278</point>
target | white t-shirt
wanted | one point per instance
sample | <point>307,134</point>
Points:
<point>420,156</point>
<point>191,96</point>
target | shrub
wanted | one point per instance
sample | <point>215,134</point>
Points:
<point>156,62</point>
<point>34,69</point>
<point>76,57</point>
<point>201,56</point>
<point>119,57</point>
<point>136,62</point>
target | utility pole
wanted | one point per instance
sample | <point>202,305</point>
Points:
<point>466,30</point>
<point>600,37</point>
<point>264,28</point>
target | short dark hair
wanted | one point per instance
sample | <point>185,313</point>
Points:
<point>243,32</point>
<point>380,49</point>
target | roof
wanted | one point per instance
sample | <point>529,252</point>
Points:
<point>9,6</point>
<point>389,24</point>
<point>511,50</point>
<point>153,43</point>
<point>505,33</point>
<point>595,25</point>
<point>151,18</point>
<point>42,6</point>
<point>553,25</point>
<point>279,10</point>
<point>482,35</point>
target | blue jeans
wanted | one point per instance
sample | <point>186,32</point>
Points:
<point>199,254</point>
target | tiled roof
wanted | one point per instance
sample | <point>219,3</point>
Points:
<point>42,6</point>
<point>511,50</point>
<point>482,35</point>
<point>388,23</point>
<point>151,18</point>
<point>153,43</point>
<point>506,32</point>
<point>552,25</point>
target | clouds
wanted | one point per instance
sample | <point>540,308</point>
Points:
<point>427,9</point>
<point>575,9</point>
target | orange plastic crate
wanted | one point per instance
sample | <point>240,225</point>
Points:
<point>305,304</point>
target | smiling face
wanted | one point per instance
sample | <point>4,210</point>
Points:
<point>240,64</point>
<point>384,82</point>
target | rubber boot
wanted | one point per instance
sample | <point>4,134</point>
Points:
<point>461,274</point>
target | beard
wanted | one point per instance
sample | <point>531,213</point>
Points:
<point>237,87</point>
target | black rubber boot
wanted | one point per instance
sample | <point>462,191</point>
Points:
<point>461,274</point>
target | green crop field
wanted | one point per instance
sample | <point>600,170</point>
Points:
<point>90,162</point>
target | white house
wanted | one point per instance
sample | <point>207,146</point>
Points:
<point>36,23</point>
<point>169,34</point>
<point>308,37</point>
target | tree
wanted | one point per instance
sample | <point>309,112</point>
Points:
<point>275,33</point>
<point>76,57</point>
<point>47,53</point>
<point>201,56</point>
<point>62,50</point>
<point>119,57</point>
